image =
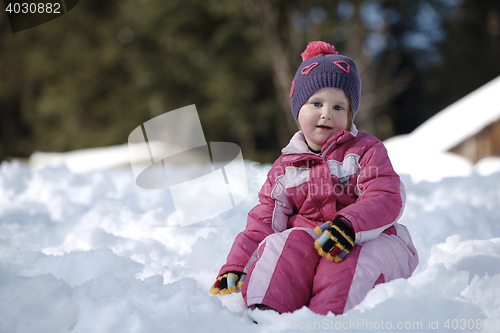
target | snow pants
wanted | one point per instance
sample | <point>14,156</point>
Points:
<point>289,273</point>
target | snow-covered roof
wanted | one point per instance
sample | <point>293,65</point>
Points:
<point>424,153</point>
<point>461,120</point>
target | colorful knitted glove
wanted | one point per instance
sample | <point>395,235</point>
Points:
<point>227,283</point>
<point>337,239</point>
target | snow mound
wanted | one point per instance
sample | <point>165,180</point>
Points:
<point>92,252</point>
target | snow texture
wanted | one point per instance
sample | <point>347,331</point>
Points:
<point>93,252</point>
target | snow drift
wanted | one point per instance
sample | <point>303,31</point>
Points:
<point>92,252</point>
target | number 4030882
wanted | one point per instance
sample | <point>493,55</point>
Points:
<point>34,8</point>
<point>471,324</point>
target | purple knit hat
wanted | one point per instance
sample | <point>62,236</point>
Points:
<point>322,67</point>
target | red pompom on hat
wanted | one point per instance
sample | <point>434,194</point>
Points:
<point>315,48</point>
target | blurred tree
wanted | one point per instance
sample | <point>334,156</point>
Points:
<point>443,49</point>
<point>469,55</point>
<point>88,78</point>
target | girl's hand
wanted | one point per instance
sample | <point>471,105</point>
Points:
<point>227,283</point>
<point>337,239</point>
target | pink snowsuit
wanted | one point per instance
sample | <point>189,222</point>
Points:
<point>353,177</point>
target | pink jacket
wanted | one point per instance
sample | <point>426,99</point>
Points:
<point>353,177</point>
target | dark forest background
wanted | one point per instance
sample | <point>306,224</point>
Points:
<point>88,78</point>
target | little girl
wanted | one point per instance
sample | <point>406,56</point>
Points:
<point>325,231</point>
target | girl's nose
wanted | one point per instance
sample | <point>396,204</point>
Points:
<point>325,115</point>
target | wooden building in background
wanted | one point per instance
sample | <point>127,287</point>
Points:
<point>480,145</point>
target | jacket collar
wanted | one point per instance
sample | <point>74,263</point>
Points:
<point>298,144</point>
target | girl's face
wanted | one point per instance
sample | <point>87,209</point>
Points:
<point>325,113</point>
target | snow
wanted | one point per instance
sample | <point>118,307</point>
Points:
<point>89,251</point>
<point>85,159</point>
<point>84,249</point>
<point>425,165</point>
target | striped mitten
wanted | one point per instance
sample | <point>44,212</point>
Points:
<point>337,239</point>
<point>227,283</point>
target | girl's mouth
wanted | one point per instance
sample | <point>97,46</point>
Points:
<point>324,127</point>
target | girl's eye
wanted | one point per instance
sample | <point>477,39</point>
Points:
<point>337,107</point>
<point>317,104</point>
